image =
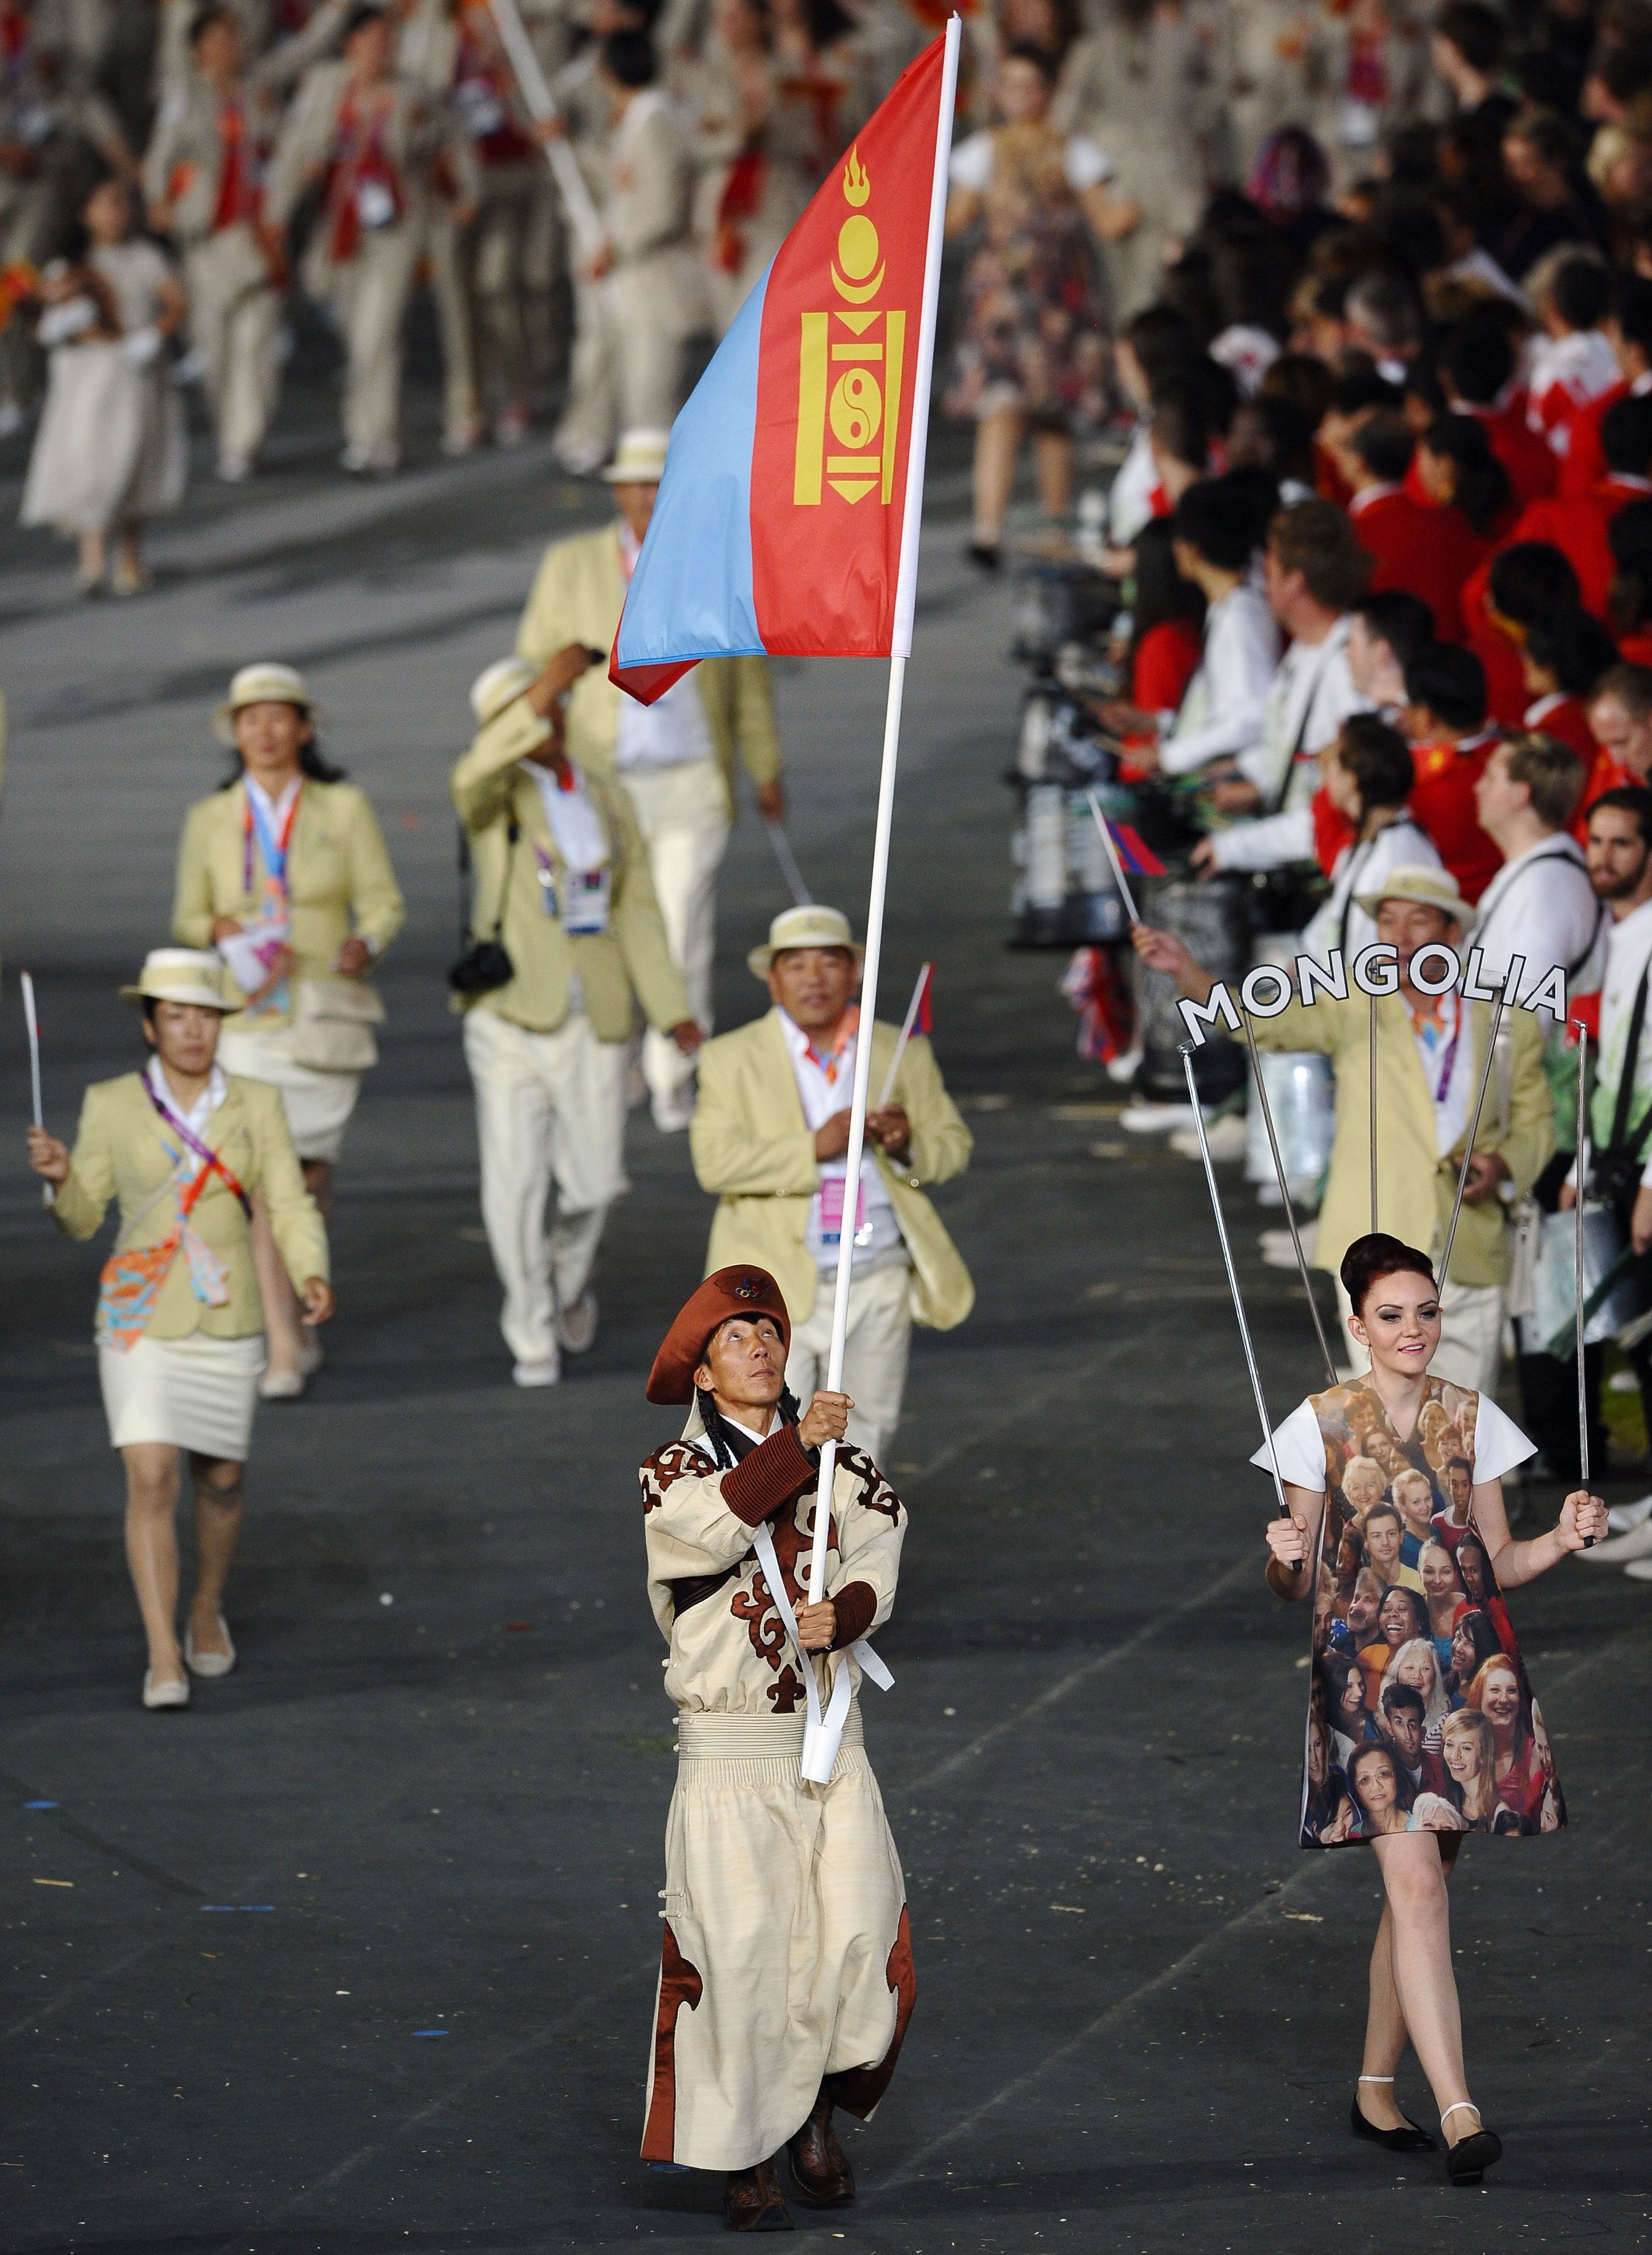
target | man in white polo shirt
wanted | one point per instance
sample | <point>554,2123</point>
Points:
<point>769,1135</point>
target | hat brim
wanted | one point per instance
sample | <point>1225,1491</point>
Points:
<point>760,960</point>
<point>1458,913</point>
<point>202,998</point>
<point>223,721</point>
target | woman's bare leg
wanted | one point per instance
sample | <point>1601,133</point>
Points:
<point>94,558</point>
<point>1053,458</point>
<point>275,1290</point>
<point>152,1549</point>
<point>997,444</point>
<point>220,1496</point>
<point>1418,1917</point>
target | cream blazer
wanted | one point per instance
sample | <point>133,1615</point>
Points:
<point>339,880</point>
<point>576,596</point>
<point>488,788</point>
<point>753,1148</point>
<point>1415,1187</point>
<point>119,1153</point>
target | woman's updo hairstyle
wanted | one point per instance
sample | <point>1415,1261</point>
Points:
<point>1368,1259</point>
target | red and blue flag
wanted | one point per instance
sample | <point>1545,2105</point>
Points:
<point>781,518</point>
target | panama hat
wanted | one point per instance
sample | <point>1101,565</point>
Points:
<point>501,685</point>
<point>181,974</point>
<point>725,1294</point>
<point>1429,888</point>
<point>805,927</point>
<point>263,684</point>
<point>640,460</point>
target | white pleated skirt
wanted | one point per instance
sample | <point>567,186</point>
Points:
<point>195,1393</point>
<point>317,1104</point>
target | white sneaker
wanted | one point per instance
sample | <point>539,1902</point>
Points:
<point>1640,1571</point>
<point>1226,1136</point>
<point>1623,1516</point>
<point>1618,1549</point>
<point>171,1691</point>
<point>310,1353</point>
<point>209,1664</point>
<point>234,469</point>
<point>1125,1066</point>
<point>1156,1118</point>
<point>537,1374</point>
<point>576,1327</point>
<point>280,1385</point>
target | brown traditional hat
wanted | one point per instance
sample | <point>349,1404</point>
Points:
<point>727,1292</point>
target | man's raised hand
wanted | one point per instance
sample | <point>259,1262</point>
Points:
<point>825,1419</point>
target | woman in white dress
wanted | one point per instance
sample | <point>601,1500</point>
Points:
<point>180,1335</point>
<point>111,450</point>
<point>1414,1822</point>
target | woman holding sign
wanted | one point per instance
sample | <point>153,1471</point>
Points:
<point>284,870</point>
<point>1415,1828</point>
<point>180,1339</point>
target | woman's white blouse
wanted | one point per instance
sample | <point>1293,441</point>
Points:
<point>1299,1445</point>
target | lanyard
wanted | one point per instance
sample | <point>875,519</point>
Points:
<point>1451,1056</point>
<point>272,849</point>
<point>212,1164</point>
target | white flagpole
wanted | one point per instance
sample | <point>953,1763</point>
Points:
<point>565,165</point>
<point>33,1023</point>
<point>907,1023</point>
<point>905,604</point>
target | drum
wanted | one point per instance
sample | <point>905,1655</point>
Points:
<point>1212,920</point>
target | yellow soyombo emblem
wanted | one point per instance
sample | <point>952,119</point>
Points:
<point>850,368</point>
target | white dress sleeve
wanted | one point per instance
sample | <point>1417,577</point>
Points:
<point>1087,166</point>
<point>1300,1447</point>
<point>972,163</point>
<point>1499,1443</point>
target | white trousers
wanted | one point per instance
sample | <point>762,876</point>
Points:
<point>371,294</point>
<point>875,1353</point>
<point>680,812</point>
<point>549,1107</point>
<point>235,315</point>
<point>1471,1348</point>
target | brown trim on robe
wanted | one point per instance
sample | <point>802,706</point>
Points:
<point>777,1470</point>
<point>695,1589</point>
<point>679,1984</point>
<point>852,1607</point>
<point>857,2089</point>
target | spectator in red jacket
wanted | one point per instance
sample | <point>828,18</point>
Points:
<point>1445,723</point>
<point>1518,586</point>
<point>1629,600</point>
<point>1476,369</point>
<point>1567,654</point>
<point>1425,551</point>
<point>1167,618</point>
<point>1628,327</point>
<point>1578,527</point>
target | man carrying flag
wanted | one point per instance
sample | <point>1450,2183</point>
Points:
<point>770,1135</point>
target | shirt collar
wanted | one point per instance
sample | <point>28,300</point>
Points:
<point>802,1046</point>
<point>217,1088</point>
<point>274,810</point>
<point>1367,494</point>
<point>1534,715</point>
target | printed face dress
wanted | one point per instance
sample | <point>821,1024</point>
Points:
<point>1421,1716</point>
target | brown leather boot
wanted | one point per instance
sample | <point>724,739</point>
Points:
<point>753,2201</point>
<point>820,2166</point>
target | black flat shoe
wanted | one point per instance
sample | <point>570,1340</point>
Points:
<point>1410,2139</point>
<point>1467,2161</point>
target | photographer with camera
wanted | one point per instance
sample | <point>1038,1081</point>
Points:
<point>572,942</point>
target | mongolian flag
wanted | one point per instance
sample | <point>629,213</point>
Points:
<point>782,521</point>
<point>1136,854</point>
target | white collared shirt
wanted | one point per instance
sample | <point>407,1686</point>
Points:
<point>1221,713</point>
<point>1541,906</point>
<point>670,733</point>
<point>577,828</point>
<point>198,1113</point>
<point>1451,1035</point>
<point>824,1087</point>
<point>274,810</point>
